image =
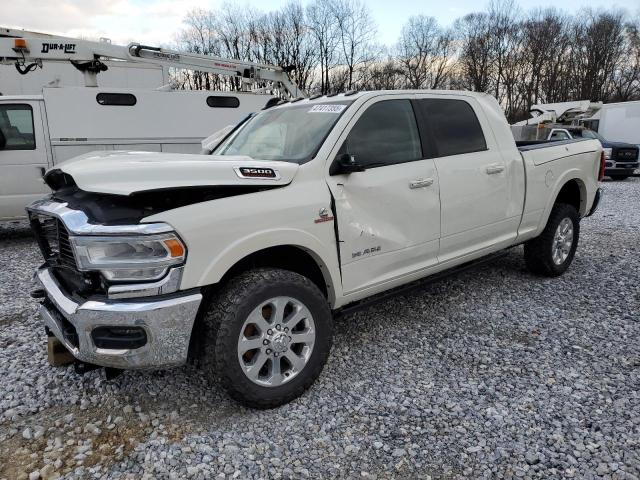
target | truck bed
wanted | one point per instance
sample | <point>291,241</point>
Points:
<point>526,145</point>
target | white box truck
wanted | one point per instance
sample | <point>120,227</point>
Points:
<point>40,131</point>
<point>618,122</point>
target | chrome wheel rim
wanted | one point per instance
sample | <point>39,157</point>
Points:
<point>562,241</point>
<point>276,341</point>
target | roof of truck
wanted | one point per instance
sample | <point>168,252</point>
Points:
<point>353,95</point>
<point>13,98</point>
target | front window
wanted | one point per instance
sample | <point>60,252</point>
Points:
<point>291,134</point>
<point>16,127</point>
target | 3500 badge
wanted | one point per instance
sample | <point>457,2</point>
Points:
<point>253,172</point>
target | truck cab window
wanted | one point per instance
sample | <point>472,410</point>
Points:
<point>385,134</point>
<point>16,125</point>
<point>559,135</point>
<point>453,125</point>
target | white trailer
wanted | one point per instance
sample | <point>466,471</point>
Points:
<point>43,130</point>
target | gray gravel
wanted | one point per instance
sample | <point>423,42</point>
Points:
<point>493,373</point>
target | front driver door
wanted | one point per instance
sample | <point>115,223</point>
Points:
<point>388,215</point>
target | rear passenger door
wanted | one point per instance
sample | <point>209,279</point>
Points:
<point>476,190</point>
<point>388,215</point>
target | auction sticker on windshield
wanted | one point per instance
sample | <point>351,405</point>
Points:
<point>327,108</point>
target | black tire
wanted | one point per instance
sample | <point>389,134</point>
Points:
<point>538,253</point>
<point>224,321</point>
<point>619,177</point>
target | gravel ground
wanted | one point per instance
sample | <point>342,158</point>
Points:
<point>492,373</point>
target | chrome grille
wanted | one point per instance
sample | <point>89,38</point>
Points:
<point>625,154</point>
<point>53,239</point>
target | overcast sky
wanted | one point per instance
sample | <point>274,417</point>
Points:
<point>156,21</point>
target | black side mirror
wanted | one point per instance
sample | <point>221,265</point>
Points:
<point>345,164</point>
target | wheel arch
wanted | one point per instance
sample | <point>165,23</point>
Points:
<point>574,193</point>
<point>295,258</point>
<point>569,189</point>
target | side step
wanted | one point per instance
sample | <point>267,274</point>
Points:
<point>402,289</point>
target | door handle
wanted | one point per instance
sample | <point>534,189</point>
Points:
<point>420,183</point>
<point>495,168</point>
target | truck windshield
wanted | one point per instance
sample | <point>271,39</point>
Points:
<point>592,134</point>
<point>292,133</point>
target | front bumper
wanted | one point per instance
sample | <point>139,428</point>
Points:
<point>166,320</point>
<point>618,167</point>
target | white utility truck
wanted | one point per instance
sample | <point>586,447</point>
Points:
<point>40,131</point>
<point>305,210</point>
<point>619,122</point>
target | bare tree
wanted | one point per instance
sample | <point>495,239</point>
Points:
<point>626,78</point>
<point>425,53</point>
<point>356,32</point>
<point>476,59</point>
<point>540,57</point>
<point>321,21</point>
<point>597,51</point>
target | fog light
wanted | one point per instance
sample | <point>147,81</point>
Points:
<point>119,338</point>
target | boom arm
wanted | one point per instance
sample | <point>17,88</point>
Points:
<point>26,49</point>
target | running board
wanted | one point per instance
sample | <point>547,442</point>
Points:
<point>394,292</point>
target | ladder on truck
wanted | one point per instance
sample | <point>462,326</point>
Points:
<point>28,50</point>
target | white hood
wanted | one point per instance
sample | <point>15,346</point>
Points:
<point>123,173</point>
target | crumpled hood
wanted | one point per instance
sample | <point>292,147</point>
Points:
<point>124,173</point>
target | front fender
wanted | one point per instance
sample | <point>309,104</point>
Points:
<point>241,248</point>
<point>219,233</point>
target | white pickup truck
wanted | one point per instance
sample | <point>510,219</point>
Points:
<point>240,259</point>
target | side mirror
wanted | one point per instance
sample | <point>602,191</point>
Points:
<point>345,164</point>
<point>3,140</point>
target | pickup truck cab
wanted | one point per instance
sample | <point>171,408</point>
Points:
<point>241,258</point>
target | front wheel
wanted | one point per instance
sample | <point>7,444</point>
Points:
<point>269,336</point>
<point>552,252</point>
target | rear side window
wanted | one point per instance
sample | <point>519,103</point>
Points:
<point>16,128</point>
<point>385,134</point>
<point>120,99</point>
<point>223,102</point>
<point>454,127</point>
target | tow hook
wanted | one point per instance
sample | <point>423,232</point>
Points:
<point>37,293</point>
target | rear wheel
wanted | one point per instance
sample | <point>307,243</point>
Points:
<point>552,252</point>
<point>269,336</point>
<point>619,177</point>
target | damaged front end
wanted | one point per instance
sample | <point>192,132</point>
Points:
<point>110,287</point>
<point>110,293</point>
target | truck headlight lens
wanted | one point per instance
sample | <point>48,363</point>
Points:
<point>133,258</point>
<point>607,153</point>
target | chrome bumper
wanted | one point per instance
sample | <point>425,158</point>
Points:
<point>167,324</point>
